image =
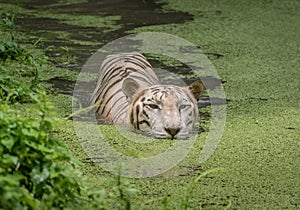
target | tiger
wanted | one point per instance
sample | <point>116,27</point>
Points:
<point>129,93</point>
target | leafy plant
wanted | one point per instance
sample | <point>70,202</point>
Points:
<point>122,191</point>
<point>10,50</point>
<point>36,170</point>
<point>12,90</point>
<point>7,23</point>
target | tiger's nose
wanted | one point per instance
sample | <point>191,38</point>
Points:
<point>172,131</point>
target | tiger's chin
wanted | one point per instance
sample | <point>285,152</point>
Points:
<point>181,136</point>
<point>162,135</point>
<point>146,130</point>
<point>167,136</point>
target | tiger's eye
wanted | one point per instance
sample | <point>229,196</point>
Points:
<point>153,106</point>
<point>183,106</point>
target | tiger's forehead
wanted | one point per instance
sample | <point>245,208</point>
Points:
<point>161,93</point>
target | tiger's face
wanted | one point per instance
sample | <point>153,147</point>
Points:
<point>163,111</point>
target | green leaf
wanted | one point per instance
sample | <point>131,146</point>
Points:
<point>30,132</point>
<point>46,125</point>
<point>8,143</point>
<point>9,180</point>
<point>40,176</point>
<point>10,159</point>
<point>2,48</point>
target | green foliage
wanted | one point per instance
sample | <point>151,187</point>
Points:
<point>10,50</point>
<point>11,90</point>
<point>36,170</point>
<point>121,192</point>
<point>7,23</point>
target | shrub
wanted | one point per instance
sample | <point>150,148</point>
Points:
<point>36,170</point>
<point>12,90</point>
<point>9,49</point>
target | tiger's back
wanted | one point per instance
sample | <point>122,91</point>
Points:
<point>113,72</point>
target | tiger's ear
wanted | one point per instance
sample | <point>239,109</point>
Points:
<point>130,87</point>
<point>197,88</point>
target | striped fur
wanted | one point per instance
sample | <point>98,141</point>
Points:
<point>130,94</point>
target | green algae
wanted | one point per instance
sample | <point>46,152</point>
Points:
<point>261,138</point>
<point>106,23</point>
<point>68,2</point>
<point>62,18</point>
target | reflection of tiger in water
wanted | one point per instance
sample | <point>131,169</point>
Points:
<point>130,94</point>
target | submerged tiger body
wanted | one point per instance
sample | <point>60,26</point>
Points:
<point>129,93</point>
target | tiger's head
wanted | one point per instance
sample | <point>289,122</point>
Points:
<point>163,111</point>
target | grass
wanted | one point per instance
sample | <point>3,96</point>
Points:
<point>260,145</point>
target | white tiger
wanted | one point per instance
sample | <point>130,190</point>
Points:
<point>130,94</point>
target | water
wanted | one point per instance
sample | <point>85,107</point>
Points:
<point>131,13</point>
